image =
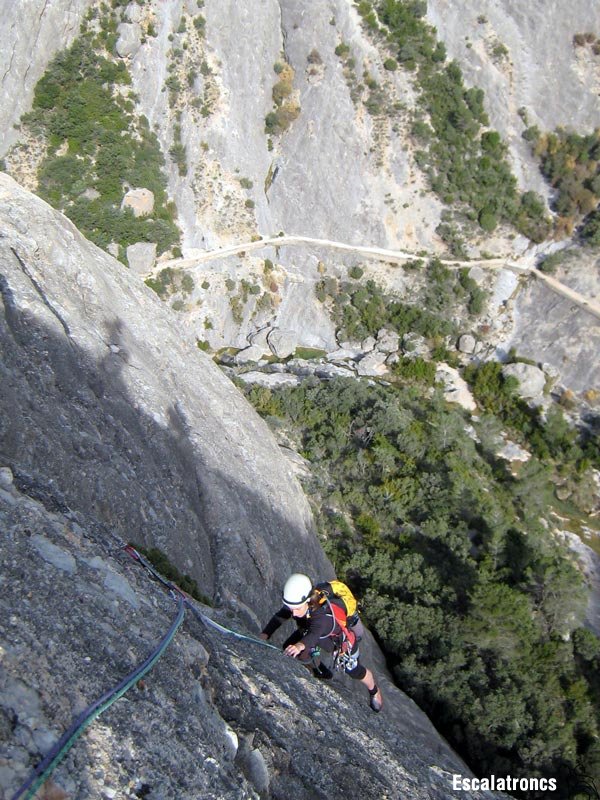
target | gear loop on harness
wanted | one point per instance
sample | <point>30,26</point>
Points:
<point>344,660</point>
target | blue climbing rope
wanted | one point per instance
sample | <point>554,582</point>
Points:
<point>204,618</point>
<point>45,768</point>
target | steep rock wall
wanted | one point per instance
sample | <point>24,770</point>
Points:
<point>335,170</point>
<point>216,718</point>
<point>105,396</point>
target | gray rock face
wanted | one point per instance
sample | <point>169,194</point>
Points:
<point>103,394</point>
<point>319,177</point>
<point>552,330</point>
<point>531,379</point>
<point>141,257</point>
<point>54,555</point>
<point>216,717</point>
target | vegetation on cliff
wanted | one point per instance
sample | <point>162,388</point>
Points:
<point>570,162</point>
<point>472,599</point>
<point>97,147</point>
<point>466,162</point>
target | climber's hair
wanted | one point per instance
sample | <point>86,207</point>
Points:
<point>316,599</point>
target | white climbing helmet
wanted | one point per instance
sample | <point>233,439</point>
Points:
<point>297,590</point>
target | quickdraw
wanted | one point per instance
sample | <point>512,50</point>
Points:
<point>344,659</point>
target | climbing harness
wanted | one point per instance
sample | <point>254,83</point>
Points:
<point>344,659</point>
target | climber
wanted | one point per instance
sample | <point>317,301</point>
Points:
<point>320,626</point>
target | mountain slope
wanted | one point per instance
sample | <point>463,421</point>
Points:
<point>114,427</point>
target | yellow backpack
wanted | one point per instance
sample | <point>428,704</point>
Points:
<point>339,591</point>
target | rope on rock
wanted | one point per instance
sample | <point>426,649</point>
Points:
<point>45,768</point>
<point>206,620</point>
<point>47,765</point>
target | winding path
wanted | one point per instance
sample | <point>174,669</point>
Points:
<point>523,265</point>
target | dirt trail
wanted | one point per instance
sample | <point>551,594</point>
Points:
<point>523,265</point>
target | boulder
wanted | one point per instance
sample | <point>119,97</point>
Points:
<point>551,372</point>
<point>388,341</point>
<point>300,366</point>
<point>269,379</point>
<point>130,39</point>
<point>456,389</point>
<point>344,354</point>
<point>282,343</point>
<point>133,13</point>
<point>141,257</point>
<point>248,355</point>
<point>511,451</point>
<point>467,344</point>
<point>90,194</point>
<point>259,338</point>
<point>372,365</point>
<point>531,379</point>
<point>414,345</point>
<point>368,344</point>
<point>329,371</point>
<point>140,201</point>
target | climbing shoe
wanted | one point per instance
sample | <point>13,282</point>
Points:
<point>322,672</point>
<point>376,701</point>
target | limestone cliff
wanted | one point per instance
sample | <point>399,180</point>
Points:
<point>115,427</point>
<point>204,76</point>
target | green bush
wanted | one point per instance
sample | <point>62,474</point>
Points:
<point>415,369</point>
<point>107,149</point>
<point>342,49</point>
<point>488,220</point>
<point>187,284</point>
<point>590,231</point>
<point>161,563</point>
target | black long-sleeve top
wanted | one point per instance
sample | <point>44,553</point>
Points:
<point>318,626</point>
